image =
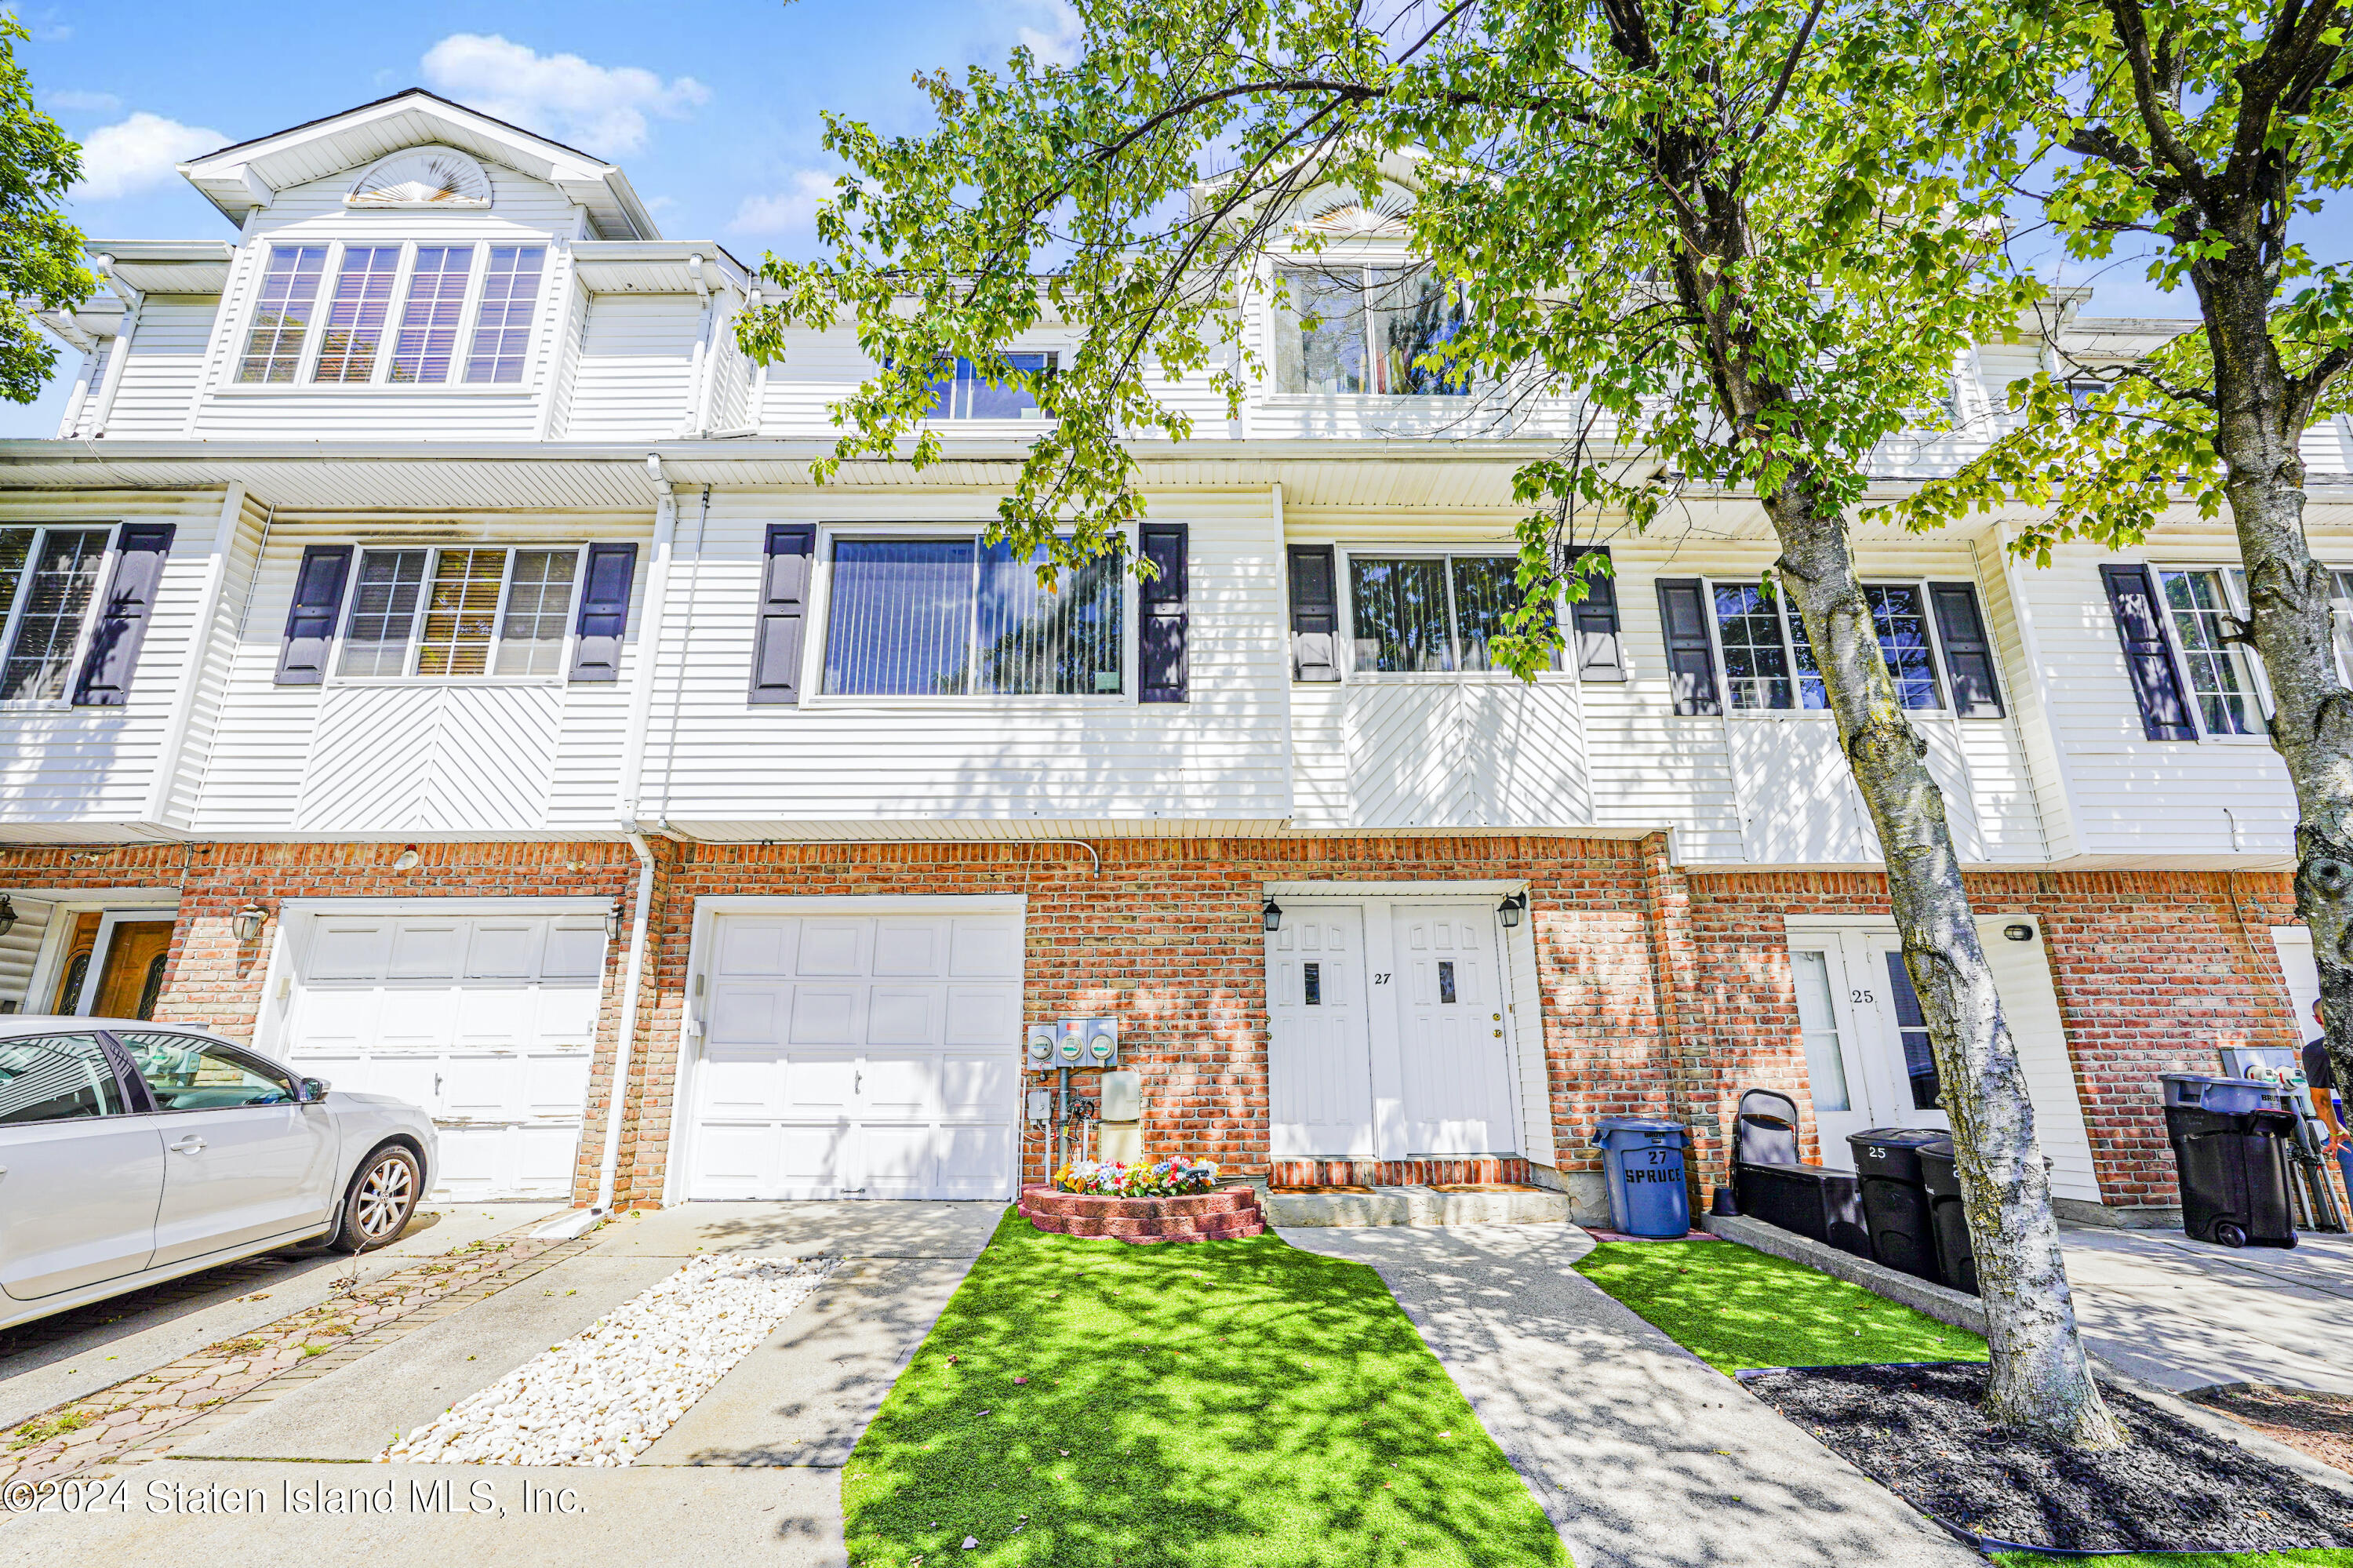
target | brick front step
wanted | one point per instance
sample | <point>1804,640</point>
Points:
<point>1302,1175</point>
<point>1204,1216</point>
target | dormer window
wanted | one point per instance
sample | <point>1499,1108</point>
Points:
<point>281,318</point>
<point>438,286</point>
<point>1367,331</point>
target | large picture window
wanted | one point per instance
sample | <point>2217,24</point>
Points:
<point>281,316</point>
<point>441,613</point>
<point>503,329</point>
<point>47,578</point>
<point>1429,614</point>
<point>1371,330</point>
<point>957,617</point>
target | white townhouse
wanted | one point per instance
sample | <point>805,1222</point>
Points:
<point>425,654</point>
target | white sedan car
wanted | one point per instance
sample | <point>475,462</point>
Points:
<point>132,1153</point>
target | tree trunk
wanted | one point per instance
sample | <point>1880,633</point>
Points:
<point>2040,1380</point>
<point>2257,430</point>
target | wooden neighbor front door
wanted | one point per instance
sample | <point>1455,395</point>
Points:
<point>133,974</point>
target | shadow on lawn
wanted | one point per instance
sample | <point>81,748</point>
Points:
<point>1226,1402</point>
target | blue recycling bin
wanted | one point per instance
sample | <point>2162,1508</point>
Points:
<point>1642,1162</point>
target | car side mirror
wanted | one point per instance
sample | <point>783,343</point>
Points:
<point>314,1089</point>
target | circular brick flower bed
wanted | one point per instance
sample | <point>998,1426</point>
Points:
<point>1203,1216</point>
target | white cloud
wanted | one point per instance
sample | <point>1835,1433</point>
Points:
<point>75,98</point>
<point>786,211</point>
<point>137,154</point>
<point>1056,42</point>
<point>602,108</point>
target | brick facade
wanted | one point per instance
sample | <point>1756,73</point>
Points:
<point>1661,992</point>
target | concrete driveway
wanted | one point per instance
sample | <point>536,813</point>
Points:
<point>2183,1314</point>
<point>751,1472</point>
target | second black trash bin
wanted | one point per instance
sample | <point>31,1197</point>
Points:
<point>1948,1221</point>
<point>1896,1207</point>
<point>2230,1151</point>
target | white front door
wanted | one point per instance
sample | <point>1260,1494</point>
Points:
<point>488,1022</point>
<point>1456,1067</point>
<point>1319,1056</point>
<point>859,1056</point>
<point>1866,1043</point>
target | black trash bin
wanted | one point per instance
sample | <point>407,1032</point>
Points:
<point>1897,1208</point>
<point>2230,1151</point>
<point>1948,1221</point>
<point>1769,1184</point>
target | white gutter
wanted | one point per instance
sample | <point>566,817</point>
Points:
<point>609,1170</point>
<point>631,786</point>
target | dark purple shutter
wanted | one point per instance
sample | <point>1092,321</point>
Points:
<point>1968,652</point>
<point>2148,657</point>
<point>129,604</point>
<point>1314,614</point>
<point>311,624</point>
<point>783,613</point>
<point>1691,659</point>
<point>604,613</point>
<point>1599,656</point>
<point>1161,638</point>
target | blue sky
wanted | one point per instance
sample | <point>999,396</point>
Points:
<point>712,107</point>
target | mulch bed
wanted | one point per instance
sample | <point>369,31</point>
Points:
<point>2321,1424</point>
<point>1917,1431</point>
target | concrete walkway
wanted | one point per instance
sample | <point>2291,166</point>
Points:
<point>752,1473</point>
<point>2182,1314</point>
<point>1643,1455</point>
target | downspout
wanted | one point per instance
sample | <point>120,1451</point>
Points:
<point>609,1170</point>
<point>626,809</point>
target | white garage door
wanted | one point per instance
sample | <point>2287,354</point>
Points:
<point>858,1055</point>
<point>488,1022</point>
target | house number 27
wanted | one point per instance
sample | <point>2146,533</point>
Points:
<point>1381,978</point>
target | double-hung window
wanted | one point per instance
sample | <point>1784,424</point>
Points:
<point>49,577</point>
<point>1376,330</point>
<point>1429,614</point>
<point>453,313</point>
<point>1932,636</point>
<point>2205,606</point>
<point>436,613</point>
<point>955,616</point>
<point>961,392</point>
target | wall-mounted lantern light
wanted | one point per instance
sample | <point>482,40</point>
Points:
<point>247,923</point>
<point>613,921</point>
<point>2019,933</point>
<point>1514,908</point>
<point>407,859</point>
<point>1272,915</point>
<point>7,914</point>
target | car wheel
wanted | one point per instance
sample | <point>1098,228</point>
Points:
<point>383,1197</point>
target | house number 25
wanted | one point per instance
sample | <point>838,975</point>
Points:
<point>1858,995</point>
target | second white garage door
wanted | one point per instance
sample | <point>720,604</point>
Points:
<point>858,1055</point>
<point>486,1020</point>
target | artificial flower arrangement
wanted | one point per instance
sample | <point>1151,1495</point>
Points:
<point>1172,1178</point>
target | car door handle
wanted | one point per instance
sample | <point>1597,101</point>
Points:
<point>190,1144</point>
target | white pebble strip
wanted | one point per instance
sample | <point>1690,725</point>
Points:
<point>603,1395</point>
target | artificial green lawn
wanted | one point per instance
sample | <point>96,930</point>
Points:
<point>2318,1557</point>
<point>1735,1308</point>
<point>1225,1404</point>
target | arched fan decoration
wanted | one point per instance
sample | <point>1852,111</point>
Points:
<point>1353,216</point>
<point>426,176</point>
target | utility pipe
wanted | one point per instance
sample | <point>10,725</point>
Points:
<point>608,1170</point>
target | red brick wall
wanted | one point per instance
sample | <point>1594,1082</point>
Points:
<point>2155,970</point>
<point>1169,940</point>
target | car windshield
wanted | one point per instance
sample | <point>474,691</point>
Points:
<point>186,1074</point>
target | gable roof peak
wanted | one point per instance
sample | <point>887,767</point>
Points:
<point>249,174</point>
